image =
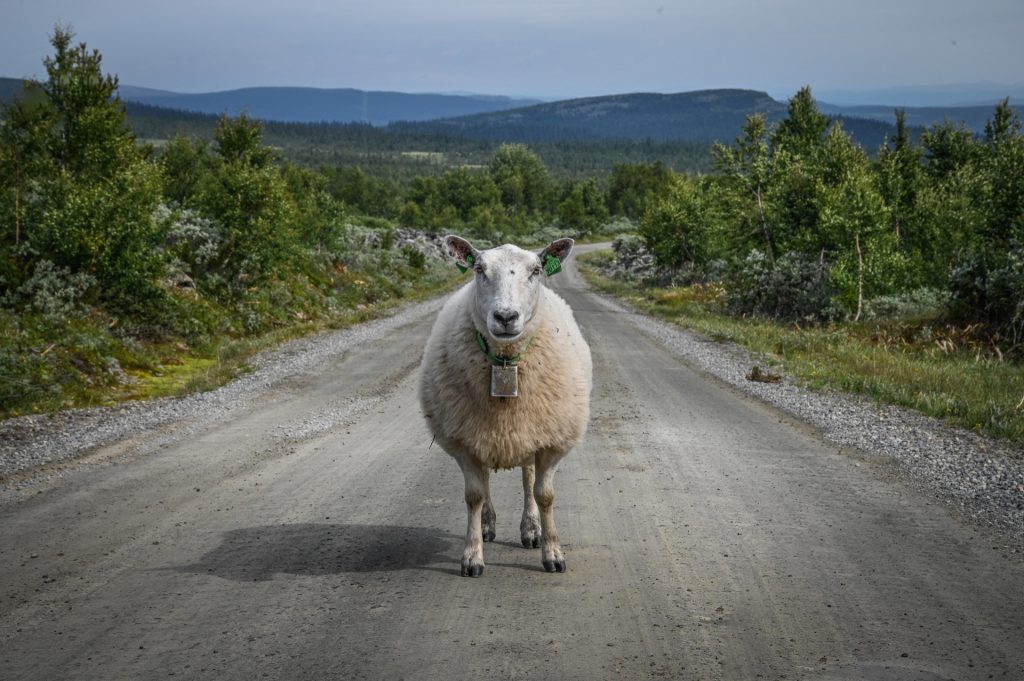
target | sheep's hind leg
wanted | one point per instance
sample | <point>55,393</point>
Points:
<point>488,518</point>
<point>476,494</point>
<point>529,528</point>
<point>544,493</point>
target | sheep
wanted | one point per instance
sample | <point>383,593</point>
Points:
<point>505,382</point>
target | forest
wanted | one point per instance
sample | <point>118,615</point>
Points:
<point>144,252</point>
<point>800,223</point>
<point>898,277</point>
<point>131,269</point>
<point>403,151</point>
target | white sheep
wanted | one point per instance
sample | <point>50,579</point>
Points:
<point>505,382</point>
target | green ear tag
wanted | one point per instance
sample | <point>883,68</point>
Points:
<point>463,268</point>
<point>552,265</point>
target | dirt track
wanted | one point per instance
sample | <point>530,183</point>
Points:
<point>316,535</point>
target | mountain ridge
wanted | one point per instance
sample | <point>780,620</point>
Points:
<point>697,116</point>
<point>314,105</point>
<point>702,116</point>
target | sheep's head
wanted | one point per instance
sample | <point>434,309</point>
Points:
<point>508,281</point>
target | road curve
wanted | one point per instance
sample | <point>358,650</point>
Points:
<point>314,533</point>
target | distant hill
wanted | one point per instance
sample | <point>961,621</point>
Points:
<point>10,88</point>
<point>697,117</point>
<point>396,154</point>
<point>703,116</point>
<point>974,117</point>
<point>136,93</point>
<point>313,105</point>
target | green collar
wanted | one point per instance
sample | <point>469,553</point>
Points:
<point>497,359</point>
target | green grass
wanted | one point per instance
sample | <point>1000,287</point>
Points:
<point>49,364</point>
<point>920,364</point>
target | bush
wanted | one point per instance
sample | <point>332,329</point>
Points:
<point>415,257</point>
<point>616,226</point>
<point>922,302</point>
<point>797,288</point>
<point>629,246</point>
<point>676,227</point>
<point>992,290</point>
<point>53,291</point>
<point>192,242</point>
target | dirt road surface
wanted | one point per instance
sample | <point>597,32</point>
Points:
<point>315,534</point>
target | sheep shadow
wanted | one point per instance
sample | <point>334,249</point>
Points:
<point>313,550</point>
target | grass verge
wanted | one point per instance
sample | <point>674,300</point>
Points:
<point>919,364</point>
<point>50,363</point>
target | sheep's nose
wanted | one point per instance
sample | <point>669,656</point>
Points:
<point>505,317</point>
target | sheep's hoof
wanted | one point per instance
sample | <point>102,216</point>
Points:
<point>530,532</point>
<point>472,570</point>
<point>555,565</point>
<point>488,534</point>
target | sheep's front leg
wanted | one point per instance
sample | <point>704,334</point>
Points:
<point>544,493</point>
<point>529,528</point>
<point>476,495</point>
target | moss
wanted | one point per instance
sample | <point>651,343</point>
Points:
<point>167,379</point>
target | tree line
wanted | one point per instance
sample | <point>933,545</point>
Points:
<point>111,248</point>
<point>801,223</point>
<point>384,152</point>
<point>81,196</point>
<point>109,245</point>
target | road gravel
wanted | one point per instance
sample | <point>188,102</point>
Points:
<point>297,524</point>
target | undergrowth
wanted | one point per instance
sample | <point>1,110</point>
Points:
<point>50,362</point>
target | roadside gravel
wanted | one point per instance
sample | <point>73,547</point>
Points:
<point>32,447</point>
<point>981,478</point>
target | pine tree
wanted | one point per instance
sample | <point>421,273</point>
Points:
<point>899,164</point>
<point>803,129</point>
<point>90,129</point>
<point>93,193</point>
<point>749,172</point>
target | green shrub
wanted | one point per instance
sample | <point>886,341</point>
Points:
<point>991,289</point>
<point>922,302</point>
<point>415,257</point>
<point>192,243</point>
<point>797,288</point>
<point>52,291</point>
<point>676,227</point>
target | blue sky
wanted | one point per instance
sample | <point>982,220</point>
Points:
<point>552,48</point>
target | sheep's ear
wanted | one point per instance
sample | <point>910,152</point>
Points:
<point>463,252</point>
<point>554,254</point>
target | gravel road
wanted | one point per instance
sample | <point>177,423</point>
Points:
<point>296,524</point>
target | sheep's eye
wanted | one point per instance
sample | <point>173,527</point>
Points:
<point>536,271</point>
<point>479,269</point>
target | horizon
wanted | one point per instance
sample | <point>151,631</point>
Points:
<point>941,94</point>
<point>566,49</point>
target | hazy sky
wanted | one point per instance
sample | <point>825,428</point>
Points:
<point>549,48</point>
